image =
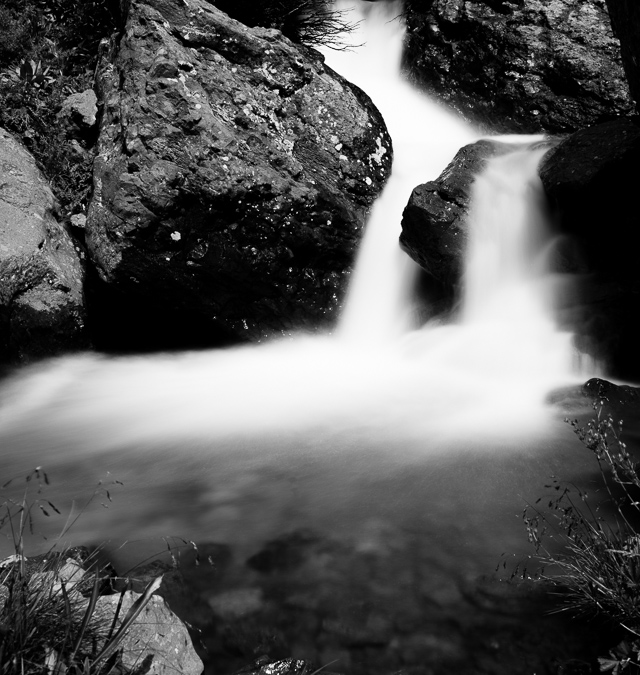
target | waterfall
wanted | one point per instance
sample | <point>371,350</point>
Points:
<point>507,299</point>
<point>425,138</point>
<point>378,387</point>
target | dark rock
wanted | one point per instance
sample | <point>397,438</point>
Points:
<point>434,228</point>
<point>625,19</point>
<point>284,554</point>
<point>41,275</point>
<point>591,180</point>
<point>511,66</point>
<point>234,174</point>
<point>622,401</point>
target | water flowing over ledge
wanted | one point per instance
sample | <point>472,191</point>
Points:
<point>378,383</point>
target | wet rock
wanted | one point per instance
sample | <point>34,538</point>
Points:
<point>42,309</point>
<point>434,230</point>
<point>282,667</point>
<point>233,177</point>
<point>625,19</point>
<point>591,179</point>
<point>622,402</point>
<point>543,65</point>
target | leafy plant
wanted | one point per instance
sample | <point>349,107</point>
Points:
<point>32,73</point>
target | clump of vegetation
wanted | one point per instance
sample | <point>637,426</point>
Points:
<point>310,22</point>
<point>49,50</point>
<point>597,571</point>
<point>49,621</point>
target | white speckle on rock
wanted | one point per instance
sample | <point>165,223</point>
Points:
<point>368,180</point>
<point>379,153</point>
<point>339,147</point>
<point>176,236</point>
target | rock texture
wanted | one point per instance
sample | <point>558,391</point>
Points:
<point>41,274</point>
<point>434,228</point>
<point>514,66</point>
<point>592,181</point>
<point>234,173</point>
<point>625,19</point>
<point>157,643</point>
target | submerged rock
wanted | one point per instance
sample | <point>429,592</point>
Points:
<point>543,65</point>
<point>42,308</point>
<point>591,180</point>
<point>434,227</point>
<point>234,174</point>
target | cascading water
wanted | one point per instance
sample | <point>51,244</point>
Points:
<point>378,423</point>
<point>425,138</point>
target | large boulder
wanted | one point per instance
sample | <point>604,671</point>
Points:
<point>41,274</point>
<point>234,175</point>
<point>434,222</point>
<point>514,66</point>
<point>592,180</point>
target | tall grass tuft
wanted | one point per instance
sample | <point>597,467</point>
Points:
<point>310,22</point>
<point>597,570</point>
<point>48,618</point>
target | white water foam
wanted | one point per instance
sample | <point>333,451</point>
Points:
<point>375,384</point>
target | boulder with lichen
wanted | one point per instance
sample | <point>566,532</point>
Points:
<point>234,175</point>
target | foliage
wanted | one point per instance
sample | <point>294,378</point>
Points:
<point>597,571</point>
<point>49,622</point>
<point>65,31</point>
<point>310,22</point>
<point>49,50</point>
